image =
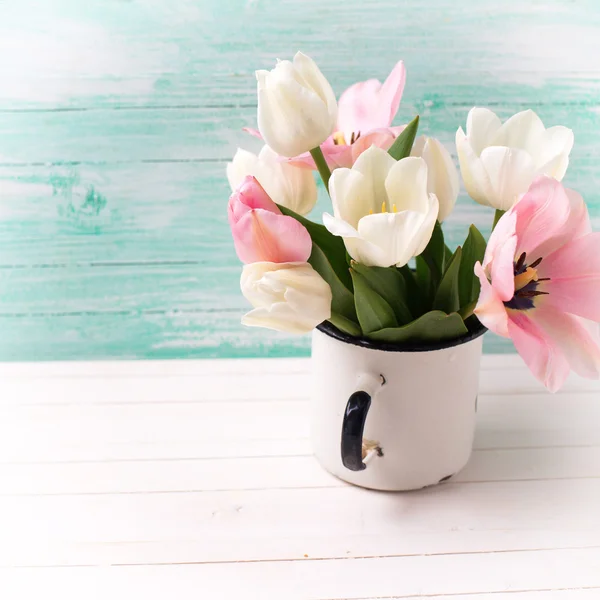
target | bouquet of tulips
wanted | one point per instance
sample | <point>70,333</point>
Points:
<point>378,267</point>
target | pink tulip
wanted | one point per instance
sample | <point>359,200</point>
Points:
<point>260,231</point>
<point>365,114</point>
<point>540,283</point>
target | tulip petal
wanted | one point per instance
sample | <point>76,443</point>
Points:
<point>375,164</point>
<point>382,138</point>
<point>482,127</point>
<point>261,235</point>
<point>574,272</point>
<point>362,251</point>
<point>286,184</point>
<point>244,163</point>
<point>391,93</point>
<point>296,108</point>
<point>510,173</point>
<point>475,177</point>
<point>442,176</point>
<point>290,297</point>
<point>311,73</point>
<point>399,235</point>
<point>490,309</point>
<point>523,131</point>
<point>542,213</point>
<point>577,224</point>
<point>500,255</point>
<point>351,195</point>
<point>370,105</point>
<point>406,185</point>
<point>502,268</point>
<point>541,354</point>
<point>427,226</point>
<point>578,339</point>
<point>553,154</point>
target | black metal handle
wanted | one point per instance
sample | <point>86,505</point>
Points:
<point>352,430</point>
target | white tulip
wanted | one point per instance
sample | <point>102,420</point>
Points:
<point>290,186</point>
<point>289,297</point>
<point>499,161</point>
<point>297,110</point>
<point>382,208</point>
<point>442,174</point>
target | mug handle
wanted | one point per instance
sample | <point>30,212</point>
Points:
<point>355,415</point>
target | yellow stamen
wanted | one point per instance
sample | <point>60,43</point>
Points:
<point>383,207</point>
<point>371,211</point>
<point>339,139</point>
<point>394,209</point>
<point>524,278</point>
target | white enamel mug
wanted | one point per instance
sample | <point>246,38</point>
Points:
<point>391,417</point>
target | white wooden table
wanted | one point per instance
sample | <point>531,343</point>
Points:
<point>177,480</point>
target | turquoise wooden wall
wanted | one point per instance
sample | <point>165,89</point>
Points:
<point>117,118</point>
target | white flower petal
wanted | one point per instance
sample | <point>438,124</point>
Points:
<point>338,226</point>
<point>311,73</point>
<point>510,173</point>
<point>351,196</point>
<point>482,126</point>
<point>553,157</point>
<point>523,131</point>
<point>375,164</point>
<point>244,163</point>
<point>406,185</point>
<point>296,106</point>
<point>427,225</point>
<point>442,175</point>
<point>398,235</point>
<point>474,175</point>
<point>289,297</point>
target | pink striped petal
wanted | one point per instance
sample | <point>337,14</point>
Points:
<point>542,213</point>
<point>490,309</point>
<point>500,256</point>
<point>263,236</point>
<point>250,194</point>
<point>382,138</point>
<point>577,338</point>
<point>370,105</point>
<point>574,272</point>
<point>541,354</point>
<point>577,225</point>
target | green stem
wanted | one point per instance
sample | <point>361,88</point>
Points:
<point>322,166</point>
<point>497,217</point>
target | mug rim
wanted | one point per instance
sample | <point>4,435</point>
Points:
<point>474,331</point>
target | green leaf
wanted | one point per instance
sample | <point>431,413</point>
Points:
<point>389,284</point>
<point>343,301</point>
<point>434,254</point>
<point>424,281</point>
<point>446,297</point>
<point>345,325</point>
<point>404,142</point>
<point>415,299</point>
<point>373,311</point>
<point>473,251</point>
<point>433,326</point>
<point>332,245</point>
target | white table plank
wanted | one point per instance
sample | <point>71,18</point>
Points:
<point>381,577</point>
<point>274,524</point>
<point>252,379</point>
<point>201,474</point>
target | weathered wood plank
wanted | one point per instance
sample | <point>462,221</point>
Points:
<point>116,119</point>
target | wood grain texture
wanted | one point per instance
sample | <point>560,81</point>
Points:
<point>187,479</point>
<point>117,119</point>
